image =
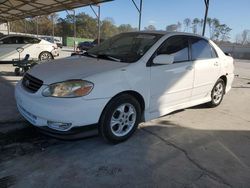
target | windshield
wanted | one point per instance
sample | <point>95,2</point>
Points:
<point>125,47</point>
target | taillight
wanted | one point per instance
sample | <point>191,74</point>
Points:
<point>55,47</point>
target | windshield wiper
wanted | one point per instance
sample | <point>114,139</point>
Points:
<point>101,56</point>
<point>90,55</point>
<point>109,57</point>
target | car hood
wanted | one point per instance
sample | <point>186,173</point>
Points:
<point>77,67</point>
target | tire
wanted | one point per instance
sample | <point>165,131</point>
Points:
<point>217,93</point>
<point>120,119</point>
<point>45,56</point>
<point>17,71</point>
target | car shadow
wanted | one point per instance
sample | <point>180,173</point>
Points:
<point>240,87</point>
<point>7,73</point>
<point>159,155</point>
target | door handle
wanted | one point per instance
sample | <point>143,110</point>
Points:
<point>189,68</point>
<point>216,64</point>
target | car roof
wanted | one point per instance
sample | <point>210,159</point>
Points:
<point>19,36</point>
<point>163,33</point>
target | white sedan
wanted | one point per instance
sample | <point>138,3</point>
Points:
<point>37,48</point>
<point>129,78</point>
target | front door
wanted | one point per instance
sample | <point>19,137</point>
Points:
<point>171,85</point>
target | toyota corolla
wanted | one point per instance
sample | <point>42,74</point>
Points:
<point>129,78</point>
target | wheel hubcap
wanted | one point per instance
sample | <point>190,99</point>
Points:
<point>123,119</point>
<point>218,93</point>
<point>45,56</point>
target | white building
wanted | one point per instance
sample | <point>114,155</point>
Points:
<point>3,28</point>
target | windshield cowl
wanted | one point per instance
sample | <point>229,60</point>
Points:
<point>102,56</point>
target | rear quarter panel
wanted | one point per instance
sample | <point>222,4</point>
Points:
<point>227,66</point>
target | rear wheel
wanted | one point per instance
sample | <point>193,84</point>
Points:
<point>45,56</point>
<point>217,93</point>
<point>120,118</point>
<point>17,71</point>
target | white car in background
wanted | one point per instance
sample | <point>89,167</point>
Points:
<point>37,48</point>
<point>129,78</point>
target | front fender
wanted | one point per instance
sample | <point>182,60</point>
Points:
<point>135,77</point>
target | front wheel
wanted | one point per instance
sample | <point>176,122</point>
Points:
<point>120,118</point>
<point>217,93</point>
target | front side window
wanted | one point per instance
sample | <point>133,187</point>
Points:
<point>125,47</point>
<point>176,46</point>
<point>201,49</point>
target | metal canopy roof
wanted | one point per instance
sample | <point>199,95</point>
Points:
<point>11,10</point>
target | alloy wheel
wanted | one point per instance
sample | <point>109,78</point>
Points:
<point>218,93</point>
<point>123,119</point>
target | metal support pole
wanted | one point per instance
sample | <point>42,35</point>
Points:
<point>8,28</point>
<point>74,30</point>
<point>37,26</point>
<point>99,25</point>
<point>139,9</point>
<point>140,12</point>
<point>53,27</point>
<point>205,18</point>
<point>98,16</point>
<point>25,26</point>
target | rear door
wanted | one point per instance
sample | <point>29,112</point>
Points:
<point>207,67</point>
<point>31,46</point>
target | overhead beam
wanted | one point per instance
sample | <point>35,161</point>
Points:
<point>139,9</point>
<point>38,8</point>
<point>205,17</point>
<point>98,16</point>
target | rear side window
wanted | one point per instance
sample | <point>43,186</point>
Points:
<point>176,46</point>
<point>30,40</point>
<point>201,49</point>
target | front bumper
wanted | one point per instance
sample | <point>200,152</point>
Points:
<point>39,110</point>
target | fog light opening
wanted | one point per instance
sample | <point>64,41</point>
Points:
<point>59,126</point>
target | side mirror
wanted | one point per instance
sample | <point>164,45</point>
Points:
<point>163,59</point>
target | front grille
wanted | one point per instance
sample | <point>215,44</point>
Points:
<point>31,84</point>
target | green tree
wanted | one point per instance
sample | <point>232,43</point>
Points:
<point>150,28</point>
<point>195,23</point>
<point>187,23</point>
<point>209,23</point>
<point>225,32</point>
<point>125,28</point>
<point>172,28</point>
<point>86,26</point>
<point>108,29</point>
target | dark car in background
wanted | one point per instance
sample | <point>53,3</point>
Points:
<point>86,45</point>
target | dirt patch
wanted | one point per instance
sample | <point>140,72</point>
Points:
<point>25,141</point>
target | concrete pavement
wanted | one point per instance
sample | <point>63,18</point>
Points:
<point>196,147</point>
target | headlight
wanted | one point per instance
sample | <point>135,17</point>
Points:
<point>67,89</point>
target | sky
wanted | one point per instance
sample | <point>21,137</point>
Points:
<point>160,13</point>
